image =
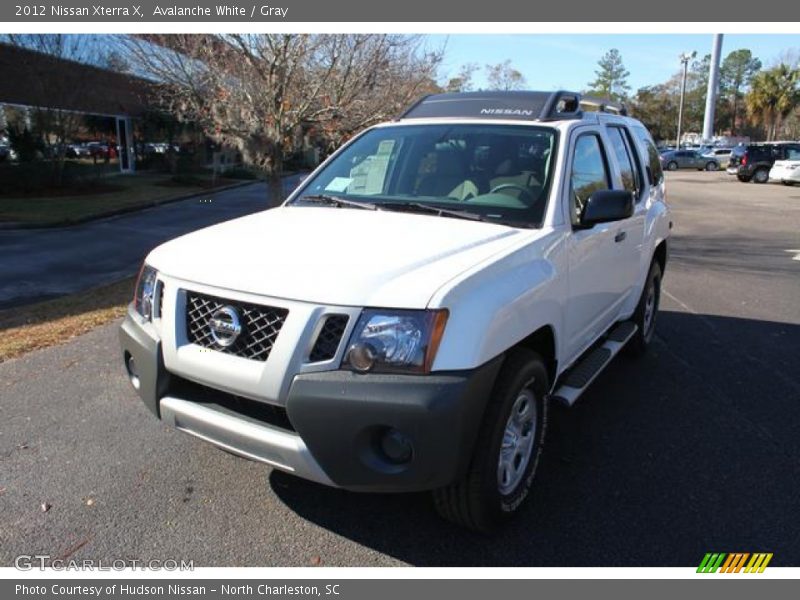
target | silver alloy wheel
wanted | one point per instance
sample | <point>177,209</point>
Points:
<point>649,309</point>
<point>761,176</point>
<point>518,439</point>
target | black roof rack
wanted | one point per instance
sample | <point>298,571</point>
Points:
<point>525,106</point>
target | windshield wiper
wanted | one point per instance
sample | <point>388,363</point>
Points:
<point>430,208</point>
<point>337,201</point>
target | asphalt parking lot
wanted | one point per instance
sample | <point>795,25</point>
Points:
<point>694,448</point>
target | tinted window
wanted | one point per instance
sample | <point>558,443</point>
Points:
<point>623,155</point>
<point>589,172</point>
<point>653,158</point>
<point>793,153</point>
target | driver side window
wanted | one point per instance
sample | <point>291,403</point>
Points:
<point>589,172</point>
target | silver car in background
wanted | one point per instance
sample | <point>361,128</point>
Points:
<point>688,159</point>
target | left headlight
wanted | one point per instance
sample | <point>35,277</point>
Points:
<point>395,341</point>
<point>144,293</point>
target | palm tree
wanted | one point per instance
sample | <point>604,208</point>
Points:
<point>773,96</point>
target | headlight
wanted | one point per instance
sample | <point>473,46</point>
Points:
<point>143,296</point>
<point>395,341</point>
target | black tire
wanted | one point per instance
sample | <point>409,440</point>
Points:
<point>672,166</point>
<point>712,166</point>
<point>742,178</point>
<point>640,341</point>
<point>476,501</point>
<point>761,175</point>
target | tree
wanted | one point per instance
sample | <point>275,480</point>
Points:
<point>657,107</point>
<point>256,92</point>
<point>462,82</point>
<point>772,97</point>
<point>55,125</point>
<point>612,77</point>
<point>503,76</point>
<point>736,72</point>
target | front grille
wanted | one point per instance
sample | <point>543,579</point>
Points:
<point>260,325</point>
<point>328,339</point>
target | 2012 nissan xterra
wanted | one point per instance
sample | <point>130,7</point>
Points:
<point>402,321</point>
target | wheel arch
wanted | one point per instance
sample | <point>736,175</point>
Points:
<point>543,342</point>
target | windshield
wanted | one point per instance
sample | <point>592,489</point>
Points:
<point>497,173</point>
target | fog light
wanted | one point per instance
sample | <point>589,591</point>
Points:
<point>396,447</point>
<point>361,357</point>
<point>133,373</point>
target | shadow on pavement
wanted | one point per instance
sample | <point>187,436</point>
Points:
<point>688,450</point>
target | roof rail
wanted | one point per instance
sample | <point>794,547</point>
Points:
<point>604,105</point>
<point>526,106</point>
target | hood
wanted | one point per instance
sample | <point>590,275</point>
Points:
<point>338,256</point>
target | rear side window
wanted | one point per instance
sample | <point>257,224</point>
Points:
<point>653,157</point>
<point>627,160</point>
<point>589,172</point>
<point>793,153</point>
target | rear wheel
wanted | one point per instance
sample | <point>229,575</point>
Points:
<point>761,176</point>
<point>646,311</point>
<point>507,450</point>
<point>711,166</point>
<point>742,178</point>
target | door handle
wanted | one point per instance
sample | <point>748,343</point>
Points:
<point>620,236</point>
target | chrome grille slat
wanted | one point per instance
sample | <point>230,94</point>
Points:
<point>260,325</point>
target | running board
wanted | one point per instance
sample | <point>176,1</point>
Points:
<point>580,376</point>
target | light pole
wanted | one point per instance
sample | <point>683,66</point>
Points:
<point>711,92</point>
<point>685,58</point>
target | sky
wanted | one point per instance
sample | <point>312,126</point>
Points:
<point>568,61</point>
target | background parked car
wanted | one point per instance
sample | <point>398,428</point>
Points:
<point>77,151</point>
<point>752,162</point>
<point>787,171</point>
<point>721,154</point>
<point>102,150</point>
<point>688,159</point>
<point>7,153</point>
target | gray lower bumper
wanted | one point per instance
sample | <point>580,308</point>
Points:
<point>334,419</point>
<point>281,449</point>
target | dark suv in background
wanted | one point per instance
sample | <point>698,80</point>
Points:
<point>752,162</point>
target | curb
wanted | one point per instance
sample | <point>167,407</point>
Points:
<point>123,211</point>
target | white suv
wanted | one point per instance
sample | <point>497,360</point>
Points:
<point>403,320</point>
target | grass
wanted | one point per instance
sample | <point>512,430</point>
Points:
<point>56,321</point>
<point>121,192</point>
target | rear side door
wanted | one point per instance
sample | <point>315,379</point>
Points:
<point>630,175</point>
<point>596,286</point>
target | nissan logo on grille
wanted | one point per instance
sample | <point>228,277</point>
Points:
<point>225,326</point>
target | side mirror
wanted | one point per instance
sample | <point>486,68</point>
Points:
<point>605,206</point>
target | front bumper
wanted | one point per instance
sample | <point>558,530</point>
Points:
<point>334,420</point>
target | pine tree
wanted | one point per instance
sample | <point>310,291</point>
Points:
<point>612,77</point>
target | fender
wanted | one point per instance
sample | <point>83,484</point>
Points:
<point>500,302</point>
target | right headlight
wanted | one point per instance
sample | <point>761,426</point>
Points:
<point>395,341</point>
<point>144,292</point>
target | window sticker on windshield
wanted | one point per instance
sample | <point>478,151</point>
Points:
<point>338,184</point>
<point>385,147</point>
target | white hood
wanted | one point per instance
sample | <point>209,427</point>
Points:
<point>336,256</point>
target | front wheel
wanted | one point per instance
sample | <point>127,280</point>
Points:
<point>646,311</point>
<point>672,166</point>
<point>507,451</point>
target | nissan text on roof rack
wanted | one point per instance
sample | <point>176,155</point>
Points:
<point>403,320</point>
